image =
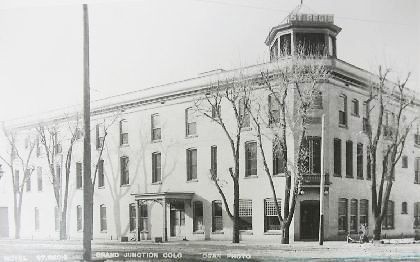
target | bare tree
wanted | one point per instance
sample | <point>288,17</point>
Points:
<point>22,157</point>
<point>52,144</point>
<point>387,129</point>
<point>294,91</point>
<point>234,94</point>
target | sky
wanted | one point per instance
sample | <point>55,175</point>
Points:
<point>135,44</point>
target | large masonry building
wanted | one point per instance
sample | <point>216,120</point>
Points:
<point>153,176</point>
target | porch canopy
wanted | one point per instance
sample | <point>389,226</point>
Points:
<point>163,198</point>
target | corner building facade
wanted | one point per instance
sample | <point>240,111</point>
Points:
<point>154,181</point>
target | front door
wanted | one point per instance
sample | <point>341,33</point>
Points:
<point>309,220</point>
<point>4,222</point>
<point>177,218</point>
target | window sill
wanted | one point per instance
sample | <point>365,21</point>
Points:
<point>156,141</point>
<point>191,136</point>
<point>273,232</point>
<point>336,175</point>
<point>251,177</point>
<point>125,185</point>
<point>360,178</point>
<point>101,187</point>
<point>246,232</point>
<point>192,181</point>
<point>355,115</point>
<point>342,126</point>
<point>218,233</point>
<point>347,176</point>
<point>103,231</point>
<point>157,183</point>
<point>124,145</point>
<point>198,233</point>
<point>404,213</point>
<point>388,228</point>
<point>279,175</point>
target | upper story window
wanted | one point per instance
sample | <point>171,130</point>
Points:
<point>337,157</point>
<point>100,134</point>
<point>365,120</point>
<point>404,161</point>
<point>250,158</point>
<point>37,147</point>
<point>279,163</point>
<point>342,111</point>
<point>388,124</point>
<point>359,159</point>
<point>274,50</point>
<point>79,175</point>
<point>123,132</point>
<point>312,154</point>
<point>191,164</point>
<point>417,170</point>
<point>244,113</point>
<point>317,100</point>
<point>124,170</point>
<point>355,107</point>
<point>404,208</point>
<point>332,46</point>
<point>190,122</point>
<point>349,158</point>
<point>213,161</point>
<point>310,44</point>
<point>39,178</point>
<point>156,168</point>
<point>156,129</point>
<point>101,176</point>
<point>216,111</point>
<point>285,44</point>
<point>417,136</point>
<point>273,109</point>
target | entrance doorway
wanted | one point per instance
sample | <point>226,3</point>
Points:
<point>177,218</point>
<point>4,222</point>
<point>309,220</point>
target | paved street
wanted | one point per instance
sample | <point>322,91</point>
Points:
<point>33,250</point>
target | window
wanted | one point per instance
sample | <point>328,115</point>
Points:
<point>144,218</point>
<point>243,112</point>
<point>417,136</point>
<point>39,178</point>
<point>215,112</point>
<point>190,122</point>
<point>100,136</point>
<point>317,100</point>
<point>36,211</point>
<point>337,157</point>
<point>56,219</point>
<point>285,43</point>
<point>132,215</point>
<point>250,159</point>
<point>124,170</point>
<point>57,148</point>
<point>101,176</point>
<point>364,212</point>
<point>79,178</point>
<point>404,162</point>
<point>353,216</point>
<point>311,44</point>
<point>273,110</point>
<point>417,171</point>
<point>37,147</point>
<point>58,171</point>
<point>79,218</point>
<point>279,163</point>
<point>331,46</point>
<point>342,111</point>
<point>271,219</point>
<point>388,222</point>
<point>28,180</point>
<point>123,132</point>
<point>26,142</point>
<point>368,164</point>
<point>198,224</point>
<point>404,208</point>
<point>360,161</point>
<point>342,215</point>
<point>156,129</point>
<point>355,107</point>
<point>156,167</point>
<point>245,214</point>
<point>213,161</point>
<point>349,158</point>
<point>274,49</point>
<point>191,164</point>
<point>102,215</point>
<point>365,114</point>
<point>217,218</point>
<point>417,215</point>
<point>312,154</point>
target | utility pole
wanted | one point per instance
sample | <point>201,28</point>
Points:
<point>87,183</point>
<point>321,188</point>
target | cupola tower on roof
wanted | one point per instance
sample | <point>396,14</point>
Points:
<point>304,32</point>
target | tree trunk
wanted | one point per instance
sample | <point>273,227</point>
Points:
<point>235,235</point>
<point>378,229</point>
<point>285,234</point>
